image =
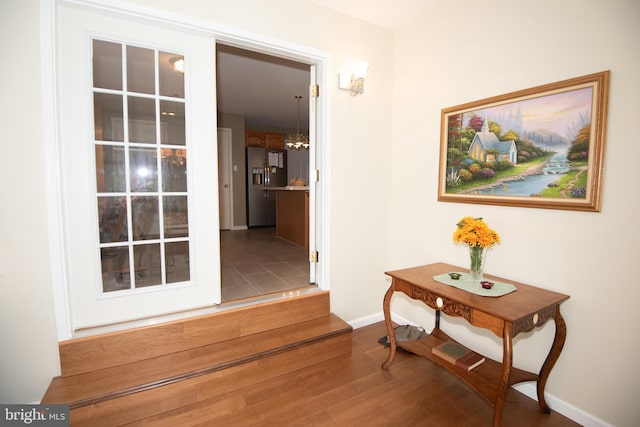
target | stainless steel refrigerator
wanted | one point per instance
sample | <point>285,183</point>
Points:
<point>265,168</point>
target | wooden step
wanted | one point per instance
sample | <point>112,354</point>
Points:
<point>192,355</point>
<point>103,384</point>
<point>219,386</point>
<point>123,347</point>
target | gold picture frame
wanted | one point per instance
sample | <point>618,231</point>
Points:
<point>541,147</point>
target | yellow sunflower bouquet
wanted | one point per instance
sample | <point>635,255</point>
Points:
<point>476,234</point>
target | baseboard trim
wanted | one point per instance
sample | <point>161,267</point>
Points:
<point>528,389</point>
<point>560,406</point>
<point>367,320</point>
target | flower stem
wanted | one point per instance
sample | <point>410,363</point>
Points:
<point>476,257</point>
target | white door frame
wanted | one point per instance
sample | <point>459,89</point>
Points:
<point>312,177</point>
<point>235,37</point>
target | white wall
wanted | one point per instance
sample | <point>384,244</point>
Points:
<point>29,357</point>
<point>461,52</point>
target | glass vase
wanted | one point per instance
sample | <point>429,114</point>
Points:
<point>478,255</point>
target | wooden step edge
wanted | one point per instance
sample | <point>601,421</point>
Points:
<point>204,371</point>
<point>215,387</point>
<point>346,329</point>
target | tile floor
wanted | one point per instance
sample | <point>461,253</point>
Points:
<point>255,262</point>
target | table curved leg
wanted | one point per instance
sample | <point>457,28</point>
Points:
<point>552,358</point>
<point>507,362</point>
<point>386,308</point>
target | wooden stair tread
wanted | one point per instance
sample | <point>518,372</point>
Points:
<point>107,383</point>
<point>219,386</point>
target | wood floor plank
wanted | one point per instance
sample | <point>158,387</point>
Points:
<point>352,389</point>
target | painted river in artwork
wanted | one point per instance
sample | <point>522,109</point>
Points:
<point>533,184</point>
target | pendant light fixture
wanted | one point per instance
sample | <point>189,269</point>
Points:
<point>298,140</point>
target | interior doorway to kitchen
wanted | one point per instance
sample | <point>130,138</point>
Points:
<point>258,92</point>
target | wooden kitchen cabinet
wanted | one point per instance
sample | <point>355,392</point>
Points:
<point>254,139</point>
<point>275,140</point>
<point>262,139</point>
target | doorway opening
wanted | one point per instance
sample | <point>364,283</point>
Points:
<point>257,96</point>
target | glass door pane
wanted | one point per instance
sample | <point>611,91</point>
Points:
<point>141,166</point>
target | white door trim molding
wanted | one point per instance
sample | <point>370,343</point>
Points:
<point>227,35</point>
<point>53,186</point>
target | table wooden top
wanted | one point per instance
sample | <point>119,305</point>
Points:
<point>525,301</point>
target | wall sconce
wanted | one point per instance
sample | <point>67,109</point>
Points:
<point>354,81</point>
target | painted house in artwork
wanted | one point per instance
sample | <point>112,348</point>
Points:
<point>485,147</point>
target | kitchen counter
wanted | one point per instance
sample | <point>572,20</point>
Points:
<point>292,214</point>
<point>288,188</point>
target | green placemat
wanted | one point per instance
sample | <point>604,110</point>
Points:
<point>499,288</point>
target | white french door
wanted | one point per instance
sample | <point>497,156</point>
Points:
<point>138,167</point>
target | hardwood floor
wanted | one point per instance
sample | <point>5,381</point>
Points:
<point>255,262</point>
<point>352,390</point>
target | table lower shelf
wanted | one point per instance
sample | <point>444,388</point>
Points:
<point>485,379</point>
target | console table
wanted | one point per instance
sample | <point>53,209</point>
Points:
<point>524,310</point>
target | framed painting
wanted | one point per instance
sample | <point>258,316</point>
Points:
<point>541,147</point>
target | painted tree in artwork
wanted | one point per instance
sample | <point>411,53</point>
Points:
<point>475,122</point>
<point>496,129</point>
<point>579,149</point>
<point>453,135</point>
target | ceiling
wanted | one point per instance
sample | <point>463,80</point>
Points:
<point>262,87</point>
<point>391,15</point>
